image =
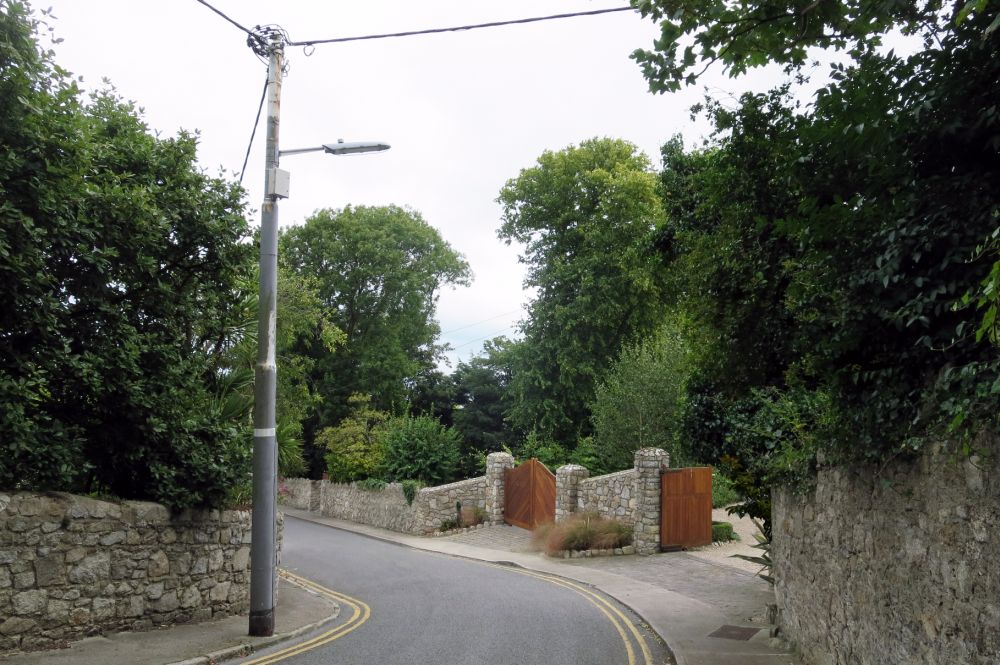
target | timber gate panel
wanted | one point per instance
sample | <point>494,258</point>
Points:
<point>529,495</point>
<point>686,507</point>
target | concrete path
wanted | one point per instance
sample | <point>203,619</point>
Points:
<point>683,598</point>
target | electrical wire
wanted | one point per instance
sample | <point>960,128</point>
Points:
<point>471,325</point>
<point>480,339</point>
<point>260,107</point>
<point>494,24</point>
<point>246,30</point>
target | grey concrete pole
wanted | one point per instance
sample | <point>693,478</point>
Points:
<point>263,572</point>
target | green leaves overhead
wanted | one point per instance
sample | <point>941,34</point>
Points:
<point>587,217</point>
<point>694,34</point>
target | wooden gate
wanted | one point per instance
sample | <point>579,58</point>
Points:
<point>529,495</point>
<point>685,507</point>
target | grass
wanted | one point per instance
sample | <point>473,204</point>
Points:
<point>583,531</point>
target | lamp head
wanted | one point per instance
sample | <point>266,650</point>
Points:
<point>354,147</point>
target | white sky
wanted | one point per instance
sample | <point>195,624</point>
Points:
<point>464,112</point>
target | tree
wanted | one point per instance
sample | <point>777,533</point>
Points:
<point>420,448</point>
<point>120,267</point>
<point>378,270</point>
<point>860,227</point>
<point>482,401</point>
<point>431,393</point>
<point>300,315</point>
<point>587,217</point>
<point>354,447</point>
<point>639,401</point>
<point>698,33</point>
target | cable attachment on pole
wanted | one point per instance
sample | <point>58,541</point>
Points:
<point>262,39</point>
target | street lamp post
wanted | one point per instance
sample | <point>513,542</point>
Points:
<point>263,551</point>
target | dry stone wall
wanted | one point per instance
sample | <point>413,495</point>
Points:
<point>296,492</point>
<point>631,496</point>
<point>879,566</point>
<point>72,566</point>
<point>386,508</point>
<point>612,495</point>
<point>434,505</point>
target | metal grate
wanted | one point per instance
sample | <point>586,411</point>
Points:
<point>735,633</point>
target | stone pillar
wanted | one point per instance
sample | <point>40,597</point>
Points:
<point>649,462</point>
<point>568,479</point>
<point>496,465</point>
<point>315,495</point>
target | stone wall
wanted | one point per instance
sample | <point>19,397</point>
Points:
<point>893,565</point>
<point>632,496</point>
<point>612,495</point>
<point>434,505</point>
<point>296,492</point>
<point>73,566</point>
<point>386,508</point>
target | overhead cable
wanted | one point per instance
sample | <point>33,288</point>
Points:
<point>493,24</point>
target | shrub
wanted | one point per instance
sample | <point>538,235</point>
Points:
<point>410,488</point>
<point>120,273</point>
<point>355,445</point>
<point>472,516</point>
<point>723,492</point>
<point>584,531</point>
<point>449,524</point>
<point>764,560</point>
<point>722,532</point>
<point>420,448</point>
<point>371,484</point>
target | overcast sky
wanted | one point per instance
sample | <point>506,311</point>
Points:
<point>464,112</point>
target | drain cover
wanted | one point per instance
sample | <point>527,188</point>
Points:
<point>735,633</point>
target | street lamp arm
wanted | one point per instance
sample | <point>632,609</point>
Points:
<point>299,151</point>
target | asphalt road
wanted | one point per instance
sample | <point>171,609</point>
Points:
<point>405,606</point>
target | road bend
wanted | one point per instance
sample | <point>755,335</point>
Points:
<point>405,606</point>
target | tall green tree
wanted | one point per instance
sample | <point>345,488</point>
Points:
<point>586,216</point>
<point>482,402</point>
<point>379,271</point>
<point>639,401</point>
<point>864,225</point>
<point>120,271</point>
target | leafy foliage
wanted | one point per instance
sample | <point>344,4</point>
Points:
<point>378,270</point>
<point>638,403</point>
<point>354,446</point>
<point>119,261</point>
<point>420,448</point>
<point>586,216</point>
<point>410,489</point>
<point>372,484</point>
<point>837,252</point>
<point>482,400</point>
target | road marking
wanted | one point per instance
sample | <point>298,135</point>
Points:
<point>361,614</point>
<point>595,598</point>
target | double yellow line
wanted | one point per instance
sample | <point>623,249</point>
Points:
<point>360,614</point>
<point>613,614</point>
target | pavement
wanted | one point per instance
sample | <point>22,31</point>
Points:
<point>697,605</point>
